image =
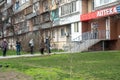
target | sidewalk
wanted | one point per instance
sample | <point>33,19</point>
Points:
<point>16,56</point>
<point>29,55</point>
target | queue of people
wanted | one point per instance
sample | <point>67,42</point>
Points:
<point>42,46</point>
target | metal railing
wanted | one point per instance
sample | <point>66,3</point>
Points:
<point>87,39</point>
<point>101,34</point>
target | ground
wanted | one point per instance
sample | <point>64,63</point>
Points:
<point>12,75</point>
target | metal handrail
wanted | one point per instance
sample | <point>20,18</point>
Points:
<point>88,37</point>
<point>101,34</point>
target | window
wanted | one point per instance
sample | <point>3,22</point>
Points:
<point>29,10</point>
<point>55,14</point>
<point>93,5</point>
<point>76,27</point>
<point>36,7</point>
<point>36,20</point>
<point>53,34</point>
<point>103,2</point>
<point>62,1</point>
<point>73,6</point>
<point>9,1</point>
<point>62,32</point>
<point>45,17</point>
<point>45,6</point>
<point>46,33</point>
<point>22,2</point>
<point>68,8</point>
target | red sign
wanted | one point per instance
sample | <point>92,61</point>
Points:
<point>97,14</point>
<point>88,16</point>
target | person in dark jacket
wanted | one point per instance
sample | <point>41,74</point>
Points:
<point>42,46</point>
<point>48,45</point>
<point>4,47</point>
<point>18,47</point>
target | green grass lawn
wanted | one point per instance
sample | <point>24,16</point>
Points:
<point>12,52</point>
<point>77,66</point>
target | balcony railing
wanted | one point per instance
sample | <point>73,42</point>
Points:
<point>2,2</point>
<point>8,5</point>
<point>101,34</point>
<point>22,7</point>
<point>34,1</point>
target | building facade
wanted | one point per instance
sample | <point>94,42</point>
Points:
<point>79,25</point>
<point>102,22</point>
<point>58,19</point>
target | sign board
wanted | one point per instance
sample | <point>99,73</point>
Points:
<point>100,13</point>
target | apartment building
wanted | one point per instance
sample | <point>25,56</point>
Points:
<point>58,19</point>
<point>67,25</point>
<point>102,23</point>
<point>92,24</point>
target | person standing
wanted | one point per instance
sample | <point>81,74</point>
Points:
<point>42,46</point>
<point>4,47</point>
<point>48,45</point>
<point>31,44</point>
<point>18,47</point>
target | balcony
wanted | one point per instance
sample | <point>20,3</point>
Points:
<point>56,22</point>
<point>19,32</point>
<point>22,7</point>
<point>24,30</point>
<point>34,1</point>
<point>8,5</point>
<point>29,16</point>
<point>36,27</point>
<point>2,2</point>
<point>10,34</point>
<point>46,25</point>
<point>45,17</point>
<point>107,5</point>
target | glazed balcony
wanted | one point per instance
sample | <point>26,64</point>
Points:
<point>106,5</point>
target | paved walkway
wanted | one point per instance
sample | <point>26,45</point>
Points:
<point>23,55</point>
<point>15,56</point>
<point>28,55</point>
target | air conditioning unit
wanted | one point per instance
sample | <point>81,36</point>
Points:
<point>67,34</point>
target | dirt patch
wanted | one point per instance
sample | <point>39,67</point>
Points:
<point>11,75</point>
